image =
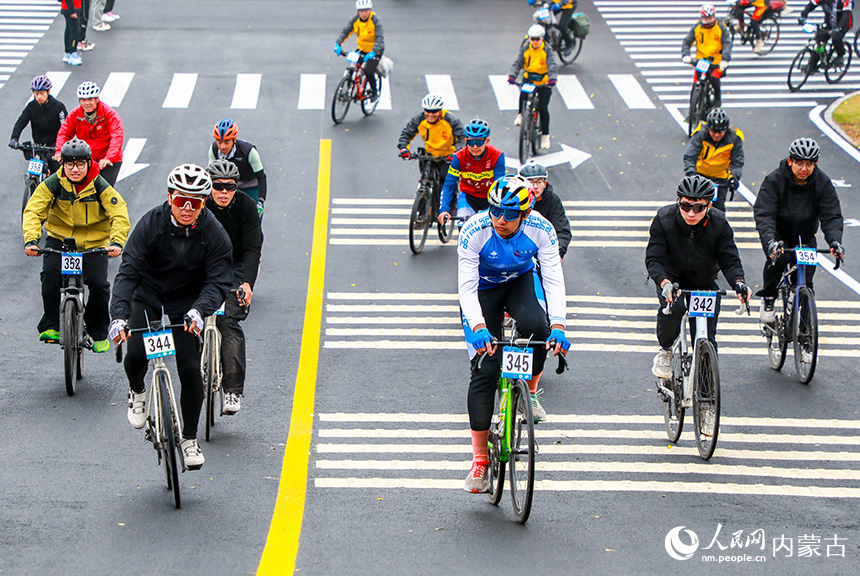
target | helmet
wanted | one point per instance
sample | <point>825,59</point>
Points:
<point>708,11</point>
<point>75,149</point>
<point>226,129</point>
<point>40,83</point>
<point>477,128</point>
<point>695,187</point>
<point>191,179</point>
<point>804,149</point>
<point>432,103</point>
<point>223,169</point>
<point>89,90</point>
<point>511,192</point>
<point>717,120</point>
<point>532,169</point>
<point>536,31</point>
<point>363,4</point>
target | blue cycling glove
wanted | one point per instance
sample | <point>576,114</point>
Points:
<point>481,338</point>
<point>369,56</point>
<point>338,49</point>
<point>558,336</point>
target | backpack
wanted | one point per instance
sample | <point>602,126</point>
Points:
<point>581,25</point>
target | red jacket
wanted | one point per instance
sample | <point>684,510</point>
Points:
<point>76,4</point>
<point>104,136</point>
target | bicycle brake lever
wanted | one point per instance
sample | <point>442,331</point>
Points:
<point>119,352</point>
<point>562,364</point>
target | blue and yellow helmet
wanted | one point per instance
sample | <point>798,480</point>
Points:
<point>511,192</point>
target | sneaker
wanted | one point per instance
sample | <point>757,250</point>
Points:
<point>101,346</point>
<point>74,59</point>
<point>518,120</point>
<point>544,142</point>
<point>191,454</point>
<point>101,27</point>
<point>766,312</point>
<point>662,367</point>
<point>49,336</point>
<point>232,403</point>
<point>759,46</point>
<point>66,57</point>
<point>477,481</point>
<point>85,46</point>
<point>136,409</point>
<point>110,17</point>
<point>537,410</point>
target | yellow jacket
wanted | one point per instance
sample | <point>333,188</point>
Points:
<point>538,64</point>
<point>95,215</point>
<point>440,139</point>
<point>714,42</point>
<point>368,34</point>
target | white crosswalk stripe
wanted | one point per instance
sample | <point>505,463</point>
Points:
<point>312,92</point>
<point>442,85</point>
<point>180,91</point>
<point>22,25</point>
<point>115,87</point>
<point>631,91</point>
<point>246,91</point>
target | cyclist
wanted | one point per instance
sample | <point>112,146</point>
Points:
<point>177,262</point>
<point>99,126</point>
<point>713,41</point>
<point>76,202</point>
<point>688,245</point>
<point>792,201</point>
<point>497,274</point>
<point>252,177</point>
<point>441,131</point>
<point>717,153</point>
<point>547,202</point>
<point>761,8</point>
<point>838,19</point>
<point>45,115</point>
<point>238,215</point>
<point>368,36</point>
<point>537,62</point>
<point>475,166</point>
<point>566,9</point>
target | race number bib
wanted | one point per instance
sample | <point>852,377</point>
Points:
<point>73,263</point>
<point>542,14</point>
<point>702,66</point>
<point>35,166</point>
<point>220,311</point>
<point>517,362</point>
<point>703,304</point>
<point>158,344</point>
<point>352,57</point>
<point>806,256</point>
<point>527,88</point>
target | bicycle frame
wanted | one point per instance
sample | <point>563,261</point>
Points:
<point>210,330</point>
<point>153,419</point>
<point>681,348</point>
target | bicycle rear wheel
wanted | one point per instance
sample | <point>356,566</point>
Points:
<point>834,74</point>
<point>706,399</point>
<point>568,55</point>
<point>673,412</point>
<point>769,28</point>
<point>368,106</point>
<point>521,462</point>
<point>169,441</point>
<point>210,381</point>
<point>341,99</point>
<point>71,345</point>
<point>777,343</point>
<point>800,70</point>
<point>419,221</point>
<point>805,335</point>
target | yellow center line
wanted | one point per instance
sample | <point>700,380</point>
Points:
<point>282,543</point>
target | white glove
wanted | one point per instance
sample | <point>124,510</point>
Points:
<point>723,65</point>
<point>686,59</point>
<point>195,318</point>
<point>115,328</point>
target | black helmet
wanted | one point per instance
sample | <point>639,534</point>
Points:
<point>75,149</point>
<point>223,169</point>
<point>804,149</point>
<point>695,187</point>
<point>717,120</point>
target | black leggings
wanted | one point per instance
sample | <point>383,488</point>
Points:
<point>543,94</point>
<point>73,28</point>
<point>564,25</point>
<point>187,364</point>
<point>519,299</point>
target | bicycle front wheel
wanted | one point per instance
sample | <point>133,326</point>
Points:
<point>169,441</point>
<point>496,469</point>
<point>419,221</point>
<point>776,342</point>
<point>568,54</point>
<point>805,335</point>
<point>834,74</point>
<point>30,185</point>
<point>856,48</point>
<point>210,381</point>
<point>368,106</point>
<point>341,99</point>
<point>673,411</point>
<point>521,462</point>
<point>706,399</point>
<point>71,345</point>
<point>698,106</point>
<point>769,28</point>
<point>800,69</point>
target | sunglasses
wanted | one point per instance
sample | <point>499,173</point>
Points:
<point>475,141</point>
<point>186,202</point>
<point>79,164</point>
<point>510,214</point>
<point>692,207</point>
<point>229,186</point>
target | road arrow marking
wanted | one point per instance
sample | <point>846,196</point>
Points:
<point>567,155</point>
<point>133,148</point>
<point>841,184</point>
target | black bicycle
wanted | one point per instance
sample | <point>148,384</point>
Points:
<point>547,18</point>
<point>529,128</point>
<point>37,168</point>
<point>425,209</point>
<point>354,87</point>
<point>818,55</point>
<point>767,30</point>
<point>702,95</point>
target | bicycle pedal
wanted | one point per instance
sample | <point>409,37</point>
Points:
<point>50,341</point>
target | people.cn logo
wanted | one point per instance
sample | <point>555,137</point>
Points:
<point>678,549</point>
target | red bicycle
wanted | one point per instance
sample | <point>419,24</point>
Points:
<point>354,87</point>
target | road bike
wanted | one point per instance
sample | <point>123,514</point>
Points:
<point>354,87</point>
<point>547,18</point>
<point>818,55</point>
<point>796,316</point>
<point>511,440</point>
<point>702,95</point>
<point>768,26</point>
<point>37,168</point>
<point>73,337</point>
<point>425,208</point>
<point>529,128</point>
<point>163,427</point>
<point>695,381</point>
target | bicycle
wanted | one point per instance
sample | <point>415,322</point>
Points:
<point>353,87</point>
<point>768,26</point>
<point>511,439</point>
<point>163,428</point>
<point>702,95</point>
<point>818,54</point>
<point>695,381</point>
<point>547,18</point>
<point>37,168</point>
<point>73,336</point>
<point>425,209</point>
<point>529,133</point>
<point>797,318</point>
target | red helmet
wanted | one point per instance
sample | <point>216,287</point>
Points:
<point>708,11</point>
<point>226,129</point>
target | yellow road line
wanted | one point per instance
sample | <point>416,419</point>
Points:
<point>282,543</point>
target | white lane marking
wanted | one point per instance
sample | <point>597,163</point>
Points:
<point>574,244</point>
<point>402,227</point>
<point>115,87</point>
<point>567,203</point>
<point>442,85</point>
<point>507,95</point>
<point>133,148</point>
<point>180,91</point>
<point>385,96</point>
<point>58,79</point>
<point>246,92</point>
<point>571,91</point>
<point>631,91</point>
<point>312,92</point>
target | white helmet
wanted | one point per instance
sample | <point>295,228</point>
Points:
<point>363,4</point>
<point>536,31</point>
<point>89,90</point>
<point>432,103</point>
<point>190,179</point>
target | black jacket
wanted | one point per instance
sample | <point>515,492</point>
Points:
<point>178,268</point>
<point>692,256</point>
<point>550,207</point>
<point>242,223</point>
<point>44,119</point>
<point>783,210</point>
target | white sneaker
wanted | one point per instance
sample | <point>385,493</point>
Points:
<point>662,367</point>
<point>137,409</point>
<point>766,313</point>
<point>518,120</point>
<point>477,481</point>
<point>110,17</point>
<point>191,454</point>
<point>66,57</point>
<point>232,403</point>
<point>101,27</point>
<point>538,412</point>
<point>544,142</point>
<point>74,59</point>
<point>759,45</point>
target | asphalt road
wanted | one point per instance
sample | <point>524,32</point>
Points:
<point>390,446</point>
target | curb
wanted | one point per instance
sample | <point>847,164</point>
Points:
<point>828,117</point>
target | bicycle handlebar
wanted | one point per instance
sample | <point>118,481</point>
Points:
<point>478,360</point>
<point>153,327</point>
<point>840,260</point>
<point>676,292</point>
<point>34,147</point>
<point>46,250</point>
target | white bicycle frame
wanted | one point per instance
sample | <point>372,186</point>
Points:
<point>680,348</point>
<point>210,329</point>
